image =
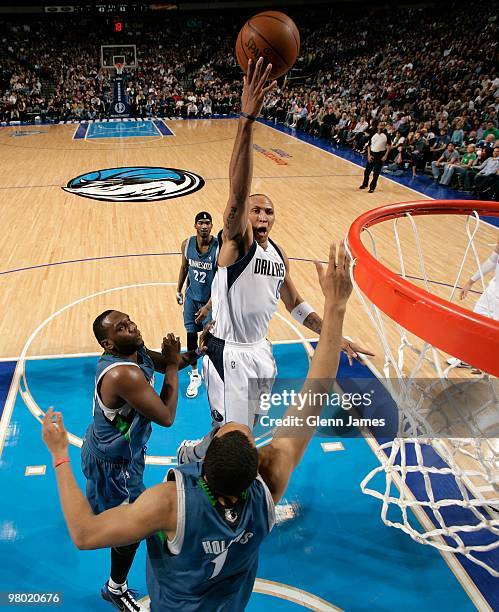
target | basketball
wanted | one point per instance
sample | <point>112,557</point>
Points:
<point>272,35</point>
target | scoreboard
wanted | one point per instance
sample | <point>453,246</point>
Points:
<point>113,8</point>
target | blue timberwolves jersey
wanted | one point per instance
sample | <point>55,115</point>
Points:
<point>208,565</point>
<point>119,433</point>
<point>201,269</point>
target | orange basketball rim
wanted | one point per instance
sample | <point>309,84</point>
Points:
<point>458,331</point>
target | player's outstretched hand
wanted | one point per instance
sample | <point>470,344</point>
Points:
<point>463,292</point>
<point>201,314</point>
<point>204,337</point>
<point>354,351</point>
<point>54,434</point>
<point>254,89</point>
<point>335,280</point>
<point>170,349</point>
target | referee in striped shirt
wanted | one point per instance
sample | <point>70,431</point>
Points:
<point>377,151</point>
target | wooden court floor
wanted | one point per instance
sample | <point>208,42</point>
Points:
<point>113,245</point>
<point>64,259</point>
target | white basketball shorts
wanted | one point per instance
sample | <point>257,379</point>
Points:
<point>236,375</point>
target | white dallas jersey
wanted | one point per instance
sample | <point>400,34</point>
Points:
<point>245,294</point>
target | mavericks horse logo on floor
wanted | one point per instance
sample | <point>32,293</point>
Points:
<point>135,184</point>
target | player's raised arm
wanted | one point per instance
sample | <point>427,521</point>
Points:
<point>154,510</point>
<point>279,459</point>
<point>306,315</point>
<point>236,226</point>
<point>130,385</point>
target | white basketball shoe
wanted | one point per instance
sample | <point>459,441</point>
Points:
<point>194,384</point>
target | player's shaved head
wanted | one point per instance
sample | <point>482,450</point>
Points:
<point>117,333</point>
<point>100,327</point>
<point>261,197</point>
<point>231,461</point>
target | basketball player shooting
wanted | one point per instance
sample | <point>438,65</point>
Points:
<point>206,522</point>
<point>252,275</point>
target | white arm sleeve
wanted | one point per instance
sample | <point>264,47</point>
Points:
<point>487,266</point>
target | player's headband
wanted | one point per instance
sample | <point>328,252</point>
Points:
<point>203,216</point>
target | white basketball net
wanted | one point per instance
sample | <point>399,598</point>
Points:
<point>422,456</point>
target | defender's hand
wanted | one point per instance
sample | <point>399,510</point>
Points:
<point>180,299</point>
<point>352,350</point>
<point>335,281</point>
<point>54,434</point>
<point>254,89</point>
<point>170,349</point>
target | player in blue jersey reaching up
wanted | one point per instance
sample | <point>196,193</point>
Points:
<point>205,523</point>
<point>198,267</point>
<point>125,403</point>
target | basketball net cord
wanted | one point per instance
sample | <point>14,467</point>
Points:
<point>451,515</point>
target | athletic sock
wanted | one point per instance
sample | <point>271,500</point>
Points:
<point>199,451</point>
<point>116,588</point>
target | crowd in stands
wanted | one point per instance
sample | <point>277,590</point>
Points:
<point>51,69</point>
<point>429,73</point>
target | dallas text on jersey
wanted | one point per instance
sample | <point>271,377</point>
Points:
<point>269,268</point>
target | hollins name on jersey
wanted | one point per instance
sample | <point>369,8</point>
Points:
<point>269,268</point>
<point>215,547</point>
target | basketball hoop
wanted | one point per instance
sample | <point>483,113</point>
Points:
<point>119,68</point>
<point>457,473</point>
<point>460,332</point>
